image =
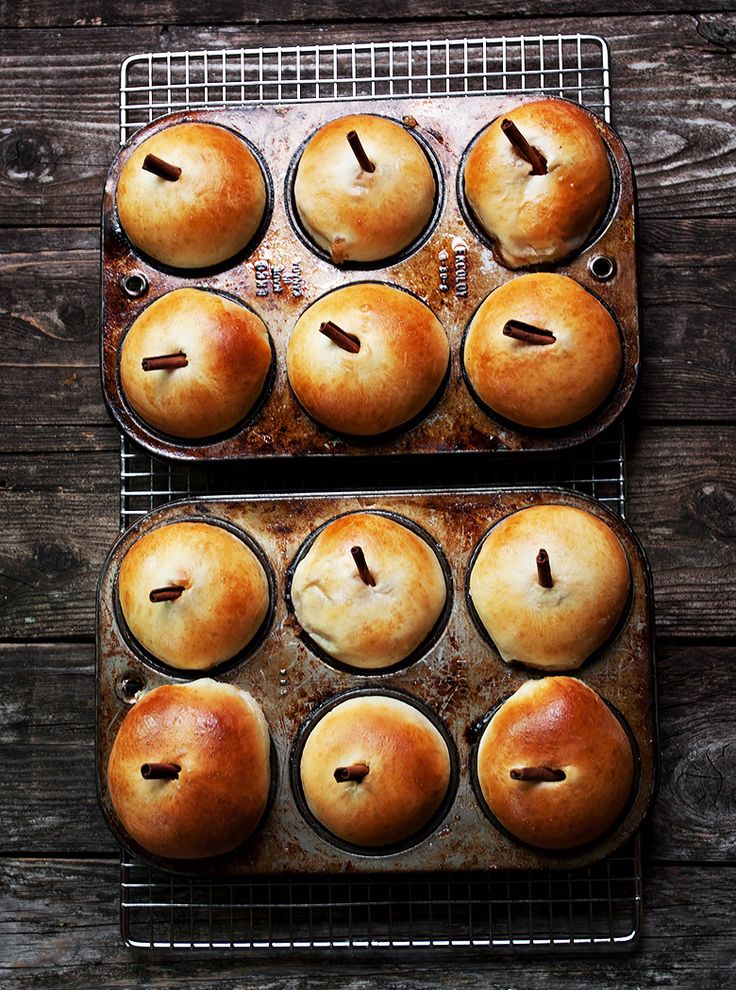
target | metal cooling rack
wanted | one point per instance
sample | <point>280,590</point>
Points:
<point>597,908</point>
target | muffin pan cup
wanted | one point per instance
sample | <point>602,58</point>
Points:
<point>460,678</point>
<point>451,268</point>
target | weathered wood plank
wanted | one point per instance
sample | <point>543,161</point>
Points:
<point>682,503</point>
<point>49,322</point>
<point>47,717</point>
<point>47,737</point>
<point>58,99</point>
<point>86,13</point>
<point>60,517</point>
<point>688,944</point>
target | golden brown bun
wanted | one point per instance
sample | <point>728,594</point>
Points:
<point>223,606</point>
<point>409,771</point>
<point>229,358</point>
<point>357,215</point>
<point>538,219</point>
<point>400,366</point>
<point>553,628</point>
<point>218,735</point>
<point>556,722</point>
<point>209,213</point>
<point>543,385</point>
<point>365,626</point>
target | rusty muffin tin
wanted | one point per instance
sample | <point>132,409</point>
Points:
<point>459,677</point>
<point>451,267</point>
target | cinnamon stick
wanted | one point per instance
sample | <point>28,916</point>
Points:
<point>356,771</point>
<point>338,336</point>
<point>528,332</point>
<point>359,151</point>
<point>160,771</point>
<point>363,569</point>
<point>164,170</point>
<point>169,594</point>
<point>537,773</point>
<point>165,362</point>
<point>544,572</point>
<point>537,161</point>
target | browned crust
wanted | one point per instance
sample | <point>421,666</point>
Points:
<point>553,628</point>
<point>357,215</point>
<point>210,213</point>
<point>228,353</point>
<point>400,366</point>
<point>362,625</point>
<point>409,771</point>
<point>556,722</point>
<point>222,608</point>
<point>218,736</point>
<point>541,218</point>
<point>543,386</point>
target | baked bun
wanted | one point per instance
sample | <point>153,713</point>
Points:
<point>228,357</point>
<point>207,215</point>
<point>223,603</point>
<point>561,726</point>
<point>217,737</point>
<point>542,385</point>
<point>539,219</point>
<point>364,625</point>
<point>557,627</point>
<point>358,215</point>
<point>398,369</point>
<point>408,771</point>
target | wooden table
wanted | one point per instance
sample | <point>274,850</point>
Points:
<point>674,78</point>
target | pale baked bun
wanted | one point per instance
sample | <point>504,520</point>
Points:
<point>362,625</point>
<point>218,737</point>
<point>399,368</point>
<point>357,215</point>
<point>560,724</point>
<point>553,628</point>
<point>549,385</point>
<point>539,219</point>
<point>210,213</point>
<point>223,604</point>
<point>408,771</point>
<point>228,359</point>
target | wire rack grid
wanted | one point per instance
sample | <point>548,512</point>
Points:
<point>598,908</point>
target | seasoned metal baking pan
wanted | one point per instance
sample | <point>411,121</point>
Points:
<point>460,678</point>
<point>452,270</point>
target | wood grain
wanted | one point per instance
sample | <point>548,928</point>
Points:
<point>682,504</point>
<point>86,13</point>
<point>60,110</point>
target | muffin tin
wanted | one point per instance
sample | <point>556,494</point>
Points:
<point>451,268</point>
<point>459,677</point>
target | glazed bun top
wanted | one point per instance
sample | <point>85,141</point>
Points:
<point>355,214</point>
<point>223,599</point>
<point>207,215</point>
<point>558,627</point>
<point>560,725</point>
<point>364,625</point>
<point>407,766</point>
<point>228,357</point>
<point>550,383</point>
<point>400,364</point>
<point>217,737</point>
<point>543,218</point>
